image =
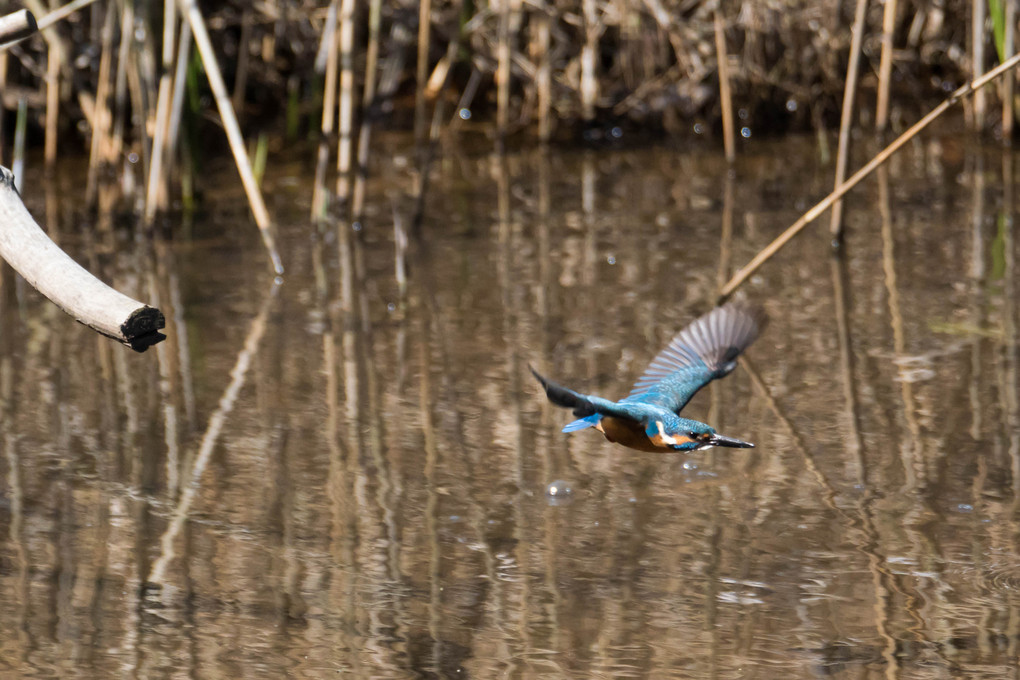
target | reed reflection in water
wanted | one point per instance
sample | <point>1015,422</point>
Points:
<point>347,473</point>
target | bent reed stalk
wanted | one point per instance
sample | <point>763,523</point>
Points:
<point>766,253</point>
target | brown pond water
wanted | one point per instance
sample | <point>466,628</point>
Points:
<point>327,478</point>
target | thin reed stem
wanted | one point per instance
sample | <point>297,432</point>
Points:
<point>367,102</point>
<point>979,12</point>
<point>18,162</point>
<point>102,118</point>
<point>54,56</point>
<point>589,85</point>
<point>503,71</point>
<point>319,195</point>
<point>725,96</point>
<point>543,78</point>
<point>847,115</point>
<point>345,145</point>
<point>120,90</point>
<point>156,191</point>
<point>180,83</point>
<point>189,9</point>
<point>47,20</point>
<point>3,109</point>
<point>885,65</point>
<point>421,70</point>
<point>1009,79</point>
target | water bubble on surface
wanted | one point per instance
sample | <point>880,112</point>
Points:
<point>690,465</point>
<point>791,105</point>
<point>558,489</point>
<point>965,507</point>
<point>611,260</point>
<point>745,132</point>
<point>698,129</point>
<point>465,114</point>
<point>616,132</point>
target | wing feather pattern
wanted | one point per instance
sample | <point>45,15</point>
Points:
<point>703,351</point>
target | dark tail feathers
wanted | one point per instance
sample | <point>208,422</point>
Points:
<point>567,398</point>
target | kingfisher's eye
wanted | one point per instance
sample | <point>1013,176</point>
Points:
<point>692,434</point>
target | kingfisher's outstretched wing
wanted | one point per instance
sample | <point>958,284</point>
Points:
<point>703,351</point>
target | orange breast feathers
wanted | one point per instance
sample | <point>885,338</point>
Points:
<point>630,434</point>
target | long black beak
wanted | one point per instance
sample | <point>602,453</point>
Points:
<point>719,440</point>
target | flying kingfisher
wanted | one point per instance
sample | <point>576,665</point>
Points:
<point>648,419</point>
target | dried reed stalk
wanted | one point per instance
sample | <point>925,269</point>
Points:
<point>189,9</point>
<point>885,65</point>
<point>345,144</point>
<point>18,162</point>
<point>319,196</point>
<point>977,60</point>
<point>503,71</point>
<point>102,118</point>
<point>120,89</point>
<point>1009,79</point>
<point>725,96</point>
<point>882,157</point>
<point>177,102</point>
<point>54,57</point>
<point>543,76</point>
<point>48,19</point>
<point>847,116</point>
<point>156,190</point>
<point>367,102</point>
<point>589,85</point>
<point>3,109</point>
<point>421,70</point>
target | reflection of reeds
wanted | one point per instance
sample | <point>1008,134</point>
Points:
<point>766,253</point>
<point>210,438</point>
<point>910,450</point>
